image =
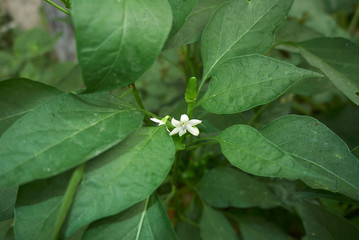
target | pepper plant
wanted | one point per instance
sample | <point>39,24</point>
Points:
<point>225,160</point>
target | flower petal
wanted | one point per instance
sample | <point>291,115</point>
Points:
<point>175,123</point>
<point>184,118</point>
<point>193,130</point>
<point>174,131</point>
<point>194,122</point>
<point>182,131</point>
<point>157,121</point>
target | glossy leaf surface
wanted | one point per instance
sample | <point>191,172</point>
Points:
<point>244,82</point>
<point>248,150</point>
<point>327,162</point>
<point>20,96</point>
<point>118,40</point>
<point>241,27</point>
<point>214,225</point>
<point>145,220</point>
<point>338,59</point>
<point>122,176</point>
<point>227,187</point>
<point>62,133</point>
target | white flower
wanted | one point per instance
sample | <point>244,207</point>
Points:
<point>185,124</point>
<point>160,122</point>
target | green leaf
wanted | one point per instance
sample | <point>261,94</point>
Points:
<point>20,96</point>
<point>122,176</point>
<point>38,207</point>
<point>259,229</point>
<point>338,59</point>
<point>241,27</point>
<point>7,203</point>
<point>214,225</point>
<point>248,150</point>
<point>145,220</point>
<point>180,10</point>
<point>72,81</point>
<point>227,187</point>
<point>118,40</point>
<point>321,224</point>
<point>326,161</point>
<point>33,43</point>
<point>195,23</point>
<point>62,133</point>
<point>244,82</point>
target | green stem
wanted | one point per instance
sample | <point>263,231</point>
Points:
<point>58,7</point>
<point>139,102</point>
<point>183,218</point>
<point>68,199</point>
<point>257,115</point>
<point>170,195</point>
<point>354,21</point>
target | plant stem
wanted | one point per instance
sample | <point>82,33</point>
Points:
<point>68,198</point>
<point>58,7</point>
<point>139,102</point>
<point>256,116</point>
<point>354,21</point>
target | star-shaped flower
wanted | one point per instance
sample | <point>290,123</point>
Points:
<point>184,125</point>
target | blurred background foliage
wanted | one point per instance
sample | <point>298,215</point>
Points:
<point>35,53</point>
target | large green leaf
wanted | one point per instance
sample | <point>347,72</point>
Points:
<point>38,206</point>
<point>327,162</point>
<point>321,224</point>
<point>180,10</point>
<point>62,133</point>
<point>118,40</point>
<point>145,220</point>
<point>259,229</point>
<point>248,150</point>
<point>241,27</point>
<point>338,59</point>
<point>244,82</point>
<point>20,96</point>
<point>227,187</point>
<point>122,176</point>
<point>214,225</point>
<point>195,23</point>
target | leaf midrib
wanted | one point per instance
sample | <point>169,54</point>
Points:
<point>235,42</point>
